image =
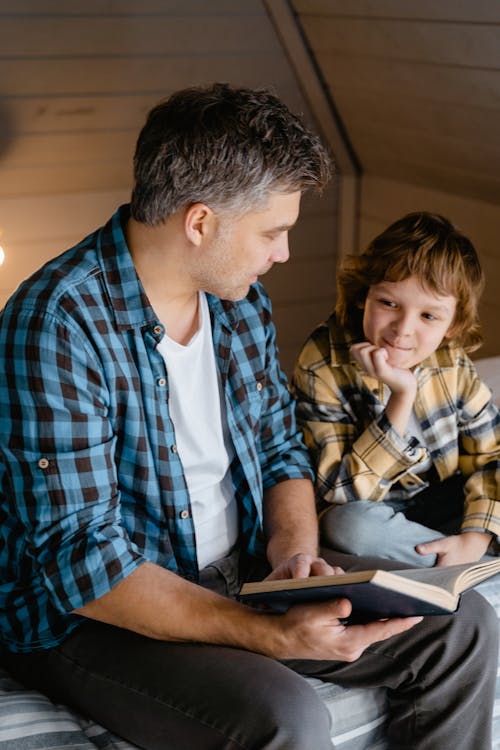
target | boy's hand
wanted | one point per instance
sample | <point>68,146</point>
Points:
<point>458,549</point>
<point>402,383</point>
<point>375,361</point>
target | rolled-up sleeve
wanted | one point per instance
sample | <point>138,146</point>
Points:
<point>59,462</point>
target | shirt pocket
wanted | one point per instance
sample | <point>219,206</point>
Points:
<point>247,401</point>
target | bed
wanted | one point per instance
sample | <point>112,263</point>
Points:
<point>29,721</point>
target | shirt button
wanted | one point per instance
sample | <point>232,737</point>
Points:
<point>173,448</point>
<point>157,330</point>
<point>184,514</point>
<point>259,386</point>
<point>162,382</point>
<point>43,463</point>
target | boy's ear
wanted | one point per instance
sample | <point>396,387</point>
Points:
<point>199,223</point>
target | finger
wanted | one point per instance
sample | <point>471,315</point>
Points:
<point>340,609</point>
<point>320,567</point>
<point>379,361</point>
<point>431,548</point>
<point>300,566</point>
<point>374,632</point>
<point>359,346</point>
<point>373,360</point>
<point>359,637</point>
<point>361,353</point>
<point>396,625</point>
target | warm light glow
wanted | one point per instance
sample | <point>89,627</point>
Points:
<point>2,255</point>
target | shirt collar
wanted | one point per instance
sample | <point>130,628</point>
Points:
<point>129,302</point>
<point>225,311</point>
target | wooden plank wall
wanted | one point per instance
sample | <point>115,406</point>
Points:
<point>417,84</point>
<point>76,80</point>
<point>383,201</point>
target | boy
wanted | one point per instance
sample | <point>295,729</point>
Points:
<point>151,463</point>
<point>405,436</point>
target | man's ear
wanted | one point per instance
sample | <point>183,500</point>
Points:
<point>199,223</point>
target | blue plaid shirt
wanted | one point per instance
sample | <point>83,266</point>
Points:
<point>91,484</point>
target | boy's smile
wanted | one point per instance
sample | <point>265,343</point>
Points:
<point>407,319</point>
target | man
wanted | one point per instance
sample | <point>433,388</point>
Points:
<point>151,463</point>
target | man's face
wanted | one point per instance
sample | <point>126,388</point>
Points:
<point>406,319</point>
<point>245,248</point>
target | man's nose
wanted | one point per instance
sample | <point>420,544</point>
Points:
<point>281,252</point>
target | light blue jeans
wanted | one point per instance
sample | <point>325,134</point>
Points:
<point>379,529</point>
<point>393,528</point>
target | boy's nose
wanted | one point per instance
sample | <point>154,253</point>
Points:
<point>404,324</point>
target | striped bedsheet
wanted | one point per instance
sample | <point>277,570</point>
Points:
<point>29,721</point>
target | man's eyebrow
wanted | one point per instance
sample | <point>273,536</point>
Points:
<point>282,227</point>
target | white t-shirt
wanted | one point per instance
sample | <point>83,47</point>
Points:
<point>197,409</point>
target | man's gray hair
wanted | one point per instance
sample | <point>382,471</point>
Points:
<point>223,146</point>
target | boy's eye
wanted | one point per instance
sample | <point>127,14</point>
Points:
<point>387,303</point>
<point>429,316</point>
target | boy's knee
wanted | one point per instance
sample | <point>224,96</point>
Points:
<point>351,528</point>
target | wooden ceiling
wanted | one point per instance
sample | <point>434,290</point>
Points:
<point>78,76</point>
<point>416,84</point>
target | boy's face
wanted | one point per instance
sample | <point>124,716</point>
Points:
<point>407,319</point>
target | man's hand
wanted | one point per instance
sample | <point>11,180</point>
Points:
<point>455,550</point>
<point>302,565</point>
<point>315,631</point>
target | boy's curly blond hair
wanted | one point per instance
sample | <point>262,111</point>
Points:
<point>429,247</point>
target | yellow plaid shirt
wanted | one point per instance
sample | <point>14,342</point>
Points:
<point>358,453</point>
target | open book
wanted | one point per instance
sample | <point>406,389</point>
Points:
<point>376,594</point>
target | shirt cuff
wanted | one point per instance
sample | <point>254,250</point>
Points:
<point>385,452</point>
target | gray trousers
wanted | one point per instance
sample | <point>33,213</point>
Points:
<point>174,696</point>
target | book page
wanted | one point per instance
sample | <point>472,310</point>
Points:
<point>455,578</point>
<point>442,577</point>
